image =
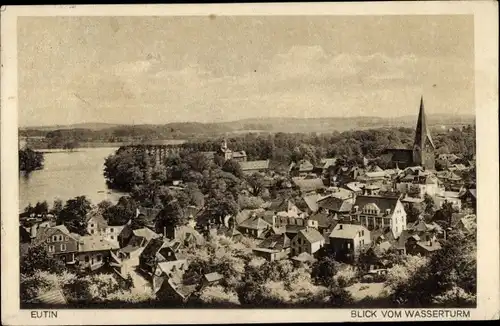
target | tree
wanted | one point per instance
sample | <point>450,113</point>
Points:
<point>233,167</point>
<point>41,208</point>
<point>29,160</point>
<point>171,216</point>
<point>104,205</point>
<point>413,212</point>
<point>122,212</point>
<point>74,214</point>
<point>429,205</point>
<point>255,183</point>
<point>37,258</point>
<point>219,206</point>
<point>446,212</point>
<point>324,270</point>
<point>57,207</point>
<point>339,297</point>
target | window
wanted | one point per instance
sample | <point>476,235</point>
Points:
<point>54,238</point>
<point>63,247</point>
<point>112,237</point>
<point>348,245</point>
<point>111,230</point>
<point>51,248</point>
<point>92,225</point>
<point>92,231</point>
<point>362,233</point>
<point>87,259</point>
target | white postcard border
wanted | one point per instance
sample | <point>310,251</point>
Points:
<point>486,85</point>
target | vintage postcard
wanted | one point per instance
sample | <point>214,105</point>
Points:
<point>243,163</point>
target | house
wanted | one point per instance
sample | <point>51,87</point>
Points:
<point>96,224</point>
<point>212,279</point>
<point>95,251</point>
<point>251,167</point>
<point>141,237</point>
<point>450,180</point>
<point>417,182</point>
<point>336,203</point>
<point>301,168</point>
<point>355,187</point>
<point>228,154</point>
<point>448,197</point>
<point>168,282</point>
<point>149,214</point>
<point>283,205</point>
<point>469,199</point>
<point>311,202</point>
<point>283,219</point>
<point>59,243</point>
<point>254,226</point>
<point>373,177</point>
<point>274,247</point>
<point>346,240</point>
<point>376,211</point>
<point>158,250</point>
<point>308,185</point>
<point>187,236</point>
<point>416,246</point>
<point>307,240</point>
<point>468,224</point>
<point>323,220</point>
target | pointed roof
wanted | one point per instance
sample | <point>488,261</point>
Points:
<point>422,132</point>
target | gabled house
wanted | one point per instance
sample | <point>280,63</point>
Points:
<point>323,220</point>
<point>347,240</point>
<point>417,182</point>
<point>158,250</point>
<point>307,240</point>
<point>469,199</point>
<point>168,281</point>
<point>95,251</point>
<point>306,186</point>
<point>376,211</point>
<point>274,247</point>
<point>254,226</point>
<point>251,167</point>
<point>59,242</point>
<point>301,168</point>
<point>417,246</point>
<point>336,203</point>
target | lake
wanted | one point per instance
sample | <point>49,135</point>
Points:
<point>66,175</point>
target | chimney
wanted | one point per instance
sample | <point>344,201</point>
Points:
<point>388,211</point>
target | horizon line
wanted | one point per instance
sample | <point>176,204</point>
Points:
<point>240,120</point>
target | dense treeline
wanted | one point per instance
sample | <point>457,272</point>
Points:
<point>127,168</point>
<point>29,160</point>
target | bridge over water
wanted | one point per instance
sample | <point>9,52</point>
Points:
<point>160,153</point>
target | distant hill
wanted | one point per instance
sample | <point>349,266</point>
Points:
<point>107,132</point>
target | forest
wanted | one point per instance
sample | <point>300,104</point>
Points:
<point>126,169</point>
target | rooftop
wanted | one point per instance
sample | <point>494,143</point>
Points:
<point>347,231</point>
<point>96,243</point>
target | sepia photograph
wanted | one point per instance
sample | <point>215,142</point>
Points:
<point>247,162</point>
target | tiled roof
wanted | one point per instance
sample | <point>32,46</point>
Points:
<point>187,233</point>
<point>306,185</point>
<point>245,214</point>
<point>383,203</point>
<point>347,231</point>
<point>435,245</point>
<point>312,201</point>
<point>312,235</point>
<point>213,277</point>
<point>254,165</point>
<point>302,166</point>
<point>255,223</point>
<point>304,257</point>
<point>324,220</point>
<point>145,233</point>
<point>327,162</point>
<point>54,297</point>
<point>275,242</point>
<point>353,186</point>
<point>335,204</point>
<point>153,247</point>
<point>96,243</point>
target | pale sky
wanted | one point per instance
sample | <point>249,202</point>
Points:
<point>135,70</point>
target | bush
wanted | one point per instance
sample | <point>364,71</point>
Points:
<point>346,276</point>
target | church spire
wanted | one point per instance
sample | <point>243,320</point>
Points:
<point>423,147</point>
<point>422,133</point>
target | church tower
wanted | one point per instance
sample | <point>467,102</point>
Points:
<point>423,147</point>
